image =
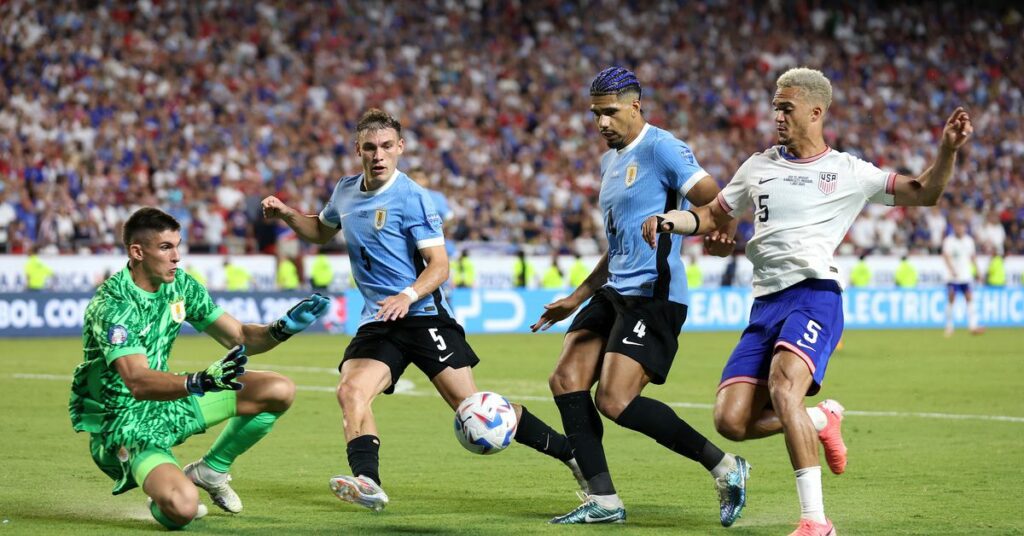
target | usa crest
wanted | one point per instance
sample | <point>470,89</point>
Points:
<point>379,218</point>
<point>178,310</point>
<point>631,173</point>
<point>827,182</point>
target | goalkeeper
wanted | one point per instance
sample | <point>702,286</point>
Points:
<point>135,410</point>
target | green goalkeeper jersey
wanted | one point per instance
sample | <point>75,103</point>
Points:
<point>122,319</point>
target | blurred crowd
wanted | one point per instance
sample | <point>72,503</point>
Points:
<point>203,108</point>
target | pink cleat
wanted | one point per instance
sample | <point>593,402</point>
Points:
<point>832,437</point>
<point>808,527</point>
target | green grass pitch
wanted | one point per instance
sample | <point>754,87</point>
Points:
<point>935,430</point>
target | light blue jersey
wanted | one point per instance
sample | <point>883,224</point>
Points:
<point>385,230</point>
<point>649,176</point>
<point>446,213</point>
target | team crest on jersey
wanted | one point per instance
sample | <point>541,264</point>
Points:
<point>631,173</point>
<point>379,218</point>
<point>827,182</point>
<point>117,335</point>
<point>178,310</point>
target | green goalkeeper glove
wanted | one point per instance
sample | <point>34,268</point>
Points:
<point>221,375</point>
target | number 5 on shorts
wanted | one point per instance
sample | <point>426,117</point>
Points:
<point>438,339</point>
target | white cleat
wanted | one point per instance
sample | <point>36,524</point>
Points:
<point>216,484</point>
<point>359,490</point>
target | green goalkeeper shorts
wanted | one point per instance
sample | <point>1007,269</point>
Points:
<point>130,462</point>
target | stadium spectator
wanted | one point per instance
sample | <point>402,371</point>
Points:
<point>220,103</point>
<point>860,273</point>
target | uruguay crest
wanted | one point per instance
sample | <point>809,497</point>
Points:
<point>827,182</point>
<point>632,171</point>
<point>178,310</point>
<point>380,217</point>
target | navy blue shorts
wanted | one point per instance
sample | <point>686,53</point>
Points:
<point>806,319</point>
<point>958,288</point>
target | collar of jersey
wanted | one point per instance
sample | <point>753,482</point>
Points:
<point>378,191</point>
<point>632,145</point>
<point>144,293</point>
<point>790,158</point>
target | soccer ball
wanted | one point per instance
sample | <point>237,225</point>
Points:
<point>485,423</point>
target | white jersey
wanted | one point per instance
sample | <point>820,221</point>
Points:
<point>802,210</point>
<point>960,252</point>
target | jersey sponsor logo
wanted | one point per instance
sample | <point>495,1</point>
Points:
<point>762,181</point>
<point>801,344</point>
<point>445,358</point>
<point>632,171</point>
<point>827,182</point>
<point>117,335</point>
<point>625,340</point>
<point>145,330</point>
<point>380,217</point>
<point>178,310</point>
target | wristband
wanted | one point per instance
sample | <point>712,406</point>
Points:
<point>411,293</point>
<point>696,222</point>
<point>662,222</point>
<point>277,332</point>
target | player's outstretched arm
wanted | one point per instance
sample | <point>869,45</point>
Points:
<point>925,189</point>
<point>700,220</point>
<point>721,241</point>
<point>148,384</point>
<point>307,226</point>
<point>560,309</point>
<point>436,273</point>
<point>259,338</point>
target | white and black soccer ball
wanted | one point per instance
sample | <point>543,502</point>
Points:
<point>485,423</point>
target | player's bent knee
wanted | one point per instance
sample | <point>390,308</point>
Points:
<point>180,505</point>
<point>564,381</point>
<point>352,395</point>
<point>609,405</point>
<point>730,428</point>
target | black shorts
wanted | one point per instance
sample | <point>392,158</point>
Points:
<point>431,343</point>
<point>645,329</point>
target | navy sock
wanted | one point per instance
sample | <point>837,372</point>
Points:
<point>537,435</point>
<point>584,429</point>
<point>657,421</point>
<point>363,457</point>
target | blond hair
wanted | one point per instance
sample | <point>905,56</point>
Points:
<point>812,82</point>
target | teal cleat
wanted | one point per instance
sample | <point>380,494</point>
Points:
<point>591,512</point>
<point>732,492</point>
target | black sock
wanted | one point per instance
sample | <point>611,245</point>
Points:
<point>657,421</point>
<point>363,457</point>
<point>537,435</point>
<point>584,430</point>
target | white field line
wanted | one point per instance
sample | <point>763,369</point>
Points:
<point>408,388</point>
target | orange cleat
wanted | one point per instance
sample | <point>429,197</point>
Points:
<point>832,437</point>
<point>810,528</point>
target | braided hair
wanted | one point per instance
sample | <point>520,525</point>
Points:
<point>614,81</point>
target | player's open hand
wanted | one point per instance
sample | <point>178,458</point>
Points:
<point>719,243</point>
<point>221,375</point>
<point>958,128</point>
<point>303,314</point>
<point>393,307</point>
<point>273,208</point>
<point>554,313</point>
<point>652,226</point>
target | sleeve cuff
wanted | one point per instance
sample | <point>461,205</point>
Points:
<point>210,318</point>
<point>694,178</point>
<point>324,221</point>
<point>430,242</point>
<point>121,352</point>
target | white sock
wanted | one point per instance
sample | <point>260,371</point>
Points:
<point>727,464</point>
<point>949,316</point>
<point>808,488</point>
<point>608,501</point>
<point>818,418</point>
<point>972,316</point>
